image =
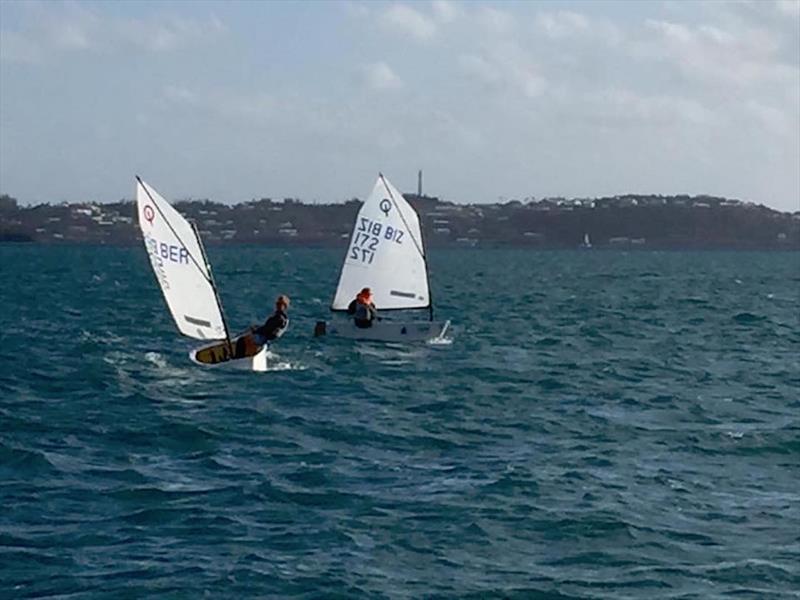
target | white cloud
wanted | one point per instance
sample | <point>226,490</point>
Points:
<point>495,20</point>
<point>623,105</point>
<point>409,21</point>
<point>544,101</point>
<point>380,76</point>
<point>355,9</point>
<point>711,55</point>
<point>445,11</point>
<point>506,66</point>
<point>180,95</point>
<point>53,29</point>
<point>562,23</point>
<point>71,36</point>
<point>252,107</point>
<point>167,34</point>
<point>790,8</point>
<point>17,48</point>
<point>571,25</point>
<point>247,107</point>
<point>774,120</point>
<point>68,27</point>
<point>480,67</point>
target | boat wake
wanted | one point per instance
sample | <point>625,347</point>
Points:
<point>156,359</point>
<point>285,366</point>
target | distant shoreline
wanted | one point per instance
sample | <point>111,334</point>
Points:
<point>343,247</point>
<point>630,222</point>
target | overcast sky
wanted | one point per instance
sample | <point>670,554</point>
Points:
<point>233,101</point>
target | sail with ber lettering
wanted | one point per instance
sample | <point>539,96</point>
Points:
<point>178,260</point>
<point>385,254</point>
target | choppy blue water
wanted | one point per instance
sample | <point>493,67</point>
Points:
<point>602,425</point>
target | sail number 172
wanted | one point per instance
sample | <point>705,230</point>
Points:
<point>364,247</point>
<point>368,236</point>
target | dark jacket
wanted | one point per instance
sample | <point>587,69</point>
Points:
<point>274,326</point>
<point>363,314</point>
<point>351,308</point>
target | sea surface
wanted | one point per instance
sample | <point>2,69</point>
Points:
<point>597,425</point>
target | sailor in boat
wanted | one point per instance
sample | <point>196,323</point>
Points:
<point>363,309</point>
<point>275,325</point>
<point>272,329</point>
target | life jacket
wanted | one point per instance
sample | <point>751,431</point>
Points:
<point>363,313</point>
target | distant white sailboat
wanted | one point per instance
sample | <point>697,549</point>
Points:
<point>184,275</point>
<point>386,254</point>
<point>586,242</point>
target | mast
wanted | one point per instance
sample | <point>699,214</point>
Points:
<point>213,285</point>
<point>427,271</point>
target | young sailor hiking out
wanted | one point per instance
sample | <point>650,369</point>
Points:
<point>258,337</point>
<point>275,325</point>
<point>184,275</point>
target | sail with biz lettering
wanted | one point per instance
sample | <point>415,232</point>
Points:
<point>178,261</point>
<point>385,254</point>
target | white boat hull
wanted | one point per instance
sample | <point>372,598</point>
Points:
<point>258,362</point>
<point>384,331</point>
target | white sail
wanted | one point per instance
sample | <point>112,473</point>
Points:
<point>385,254</point>
<point>179,264</point>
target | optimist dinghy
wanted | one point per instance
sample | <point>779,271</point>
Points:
<point>386,254</point>
<point>184,275</point>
